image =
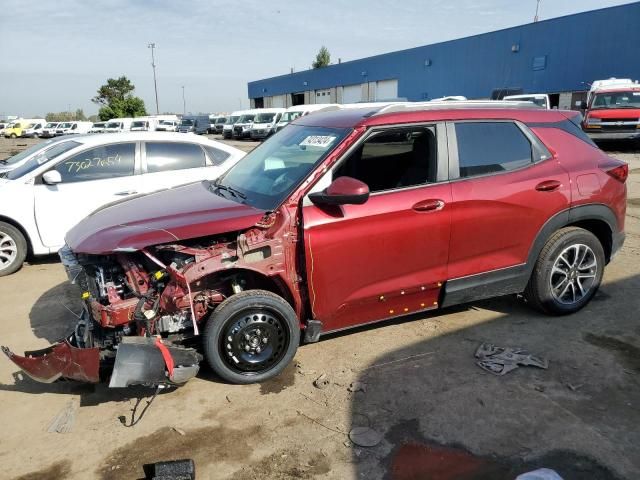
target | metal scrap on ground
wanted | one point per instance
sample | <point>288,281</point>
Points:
<point>63,421</point>
<point>502,360</point>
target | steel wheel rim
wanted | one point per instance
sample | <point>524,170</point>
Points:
<point>574,274</point>
<point>8,250</point>
<point>254,341</point>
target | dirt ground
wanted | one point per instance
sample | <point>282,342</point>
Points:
<point>439,415</point>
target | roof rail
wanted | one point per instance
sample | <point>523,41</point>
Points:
<point>458,104</point>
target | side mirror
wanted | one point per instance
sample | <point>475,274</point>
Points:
<point>342,191</point>
<point>583,105</point>
<point>52,177</point>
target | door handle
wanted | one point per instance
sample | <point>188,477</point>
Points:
<point>126,192</point>
<point>430,205</point>
<point>548,186</point>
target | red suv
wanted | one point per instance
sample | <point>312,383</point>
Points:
<point>342,218</point>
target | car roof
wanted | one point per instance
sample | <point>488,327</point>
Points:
<point>412,112</point>
<point>95,139</point>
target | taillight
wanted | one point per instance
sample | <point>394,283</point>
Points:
<point>620,172</point>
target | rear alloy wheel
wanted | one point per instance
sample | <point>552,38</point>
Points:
<point>568,272</point>
<point>13,249</point>
<point>251,337</point>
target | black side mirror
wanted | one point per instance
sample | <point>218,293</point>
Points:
<point>342,191</point>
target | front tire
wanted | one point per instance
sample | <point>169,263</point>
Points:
<point>13,249</point>
<point>567,273</point>
<point>251,337</point>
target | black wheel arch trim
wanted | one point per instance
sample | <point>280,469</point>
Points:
<point>514,279</point>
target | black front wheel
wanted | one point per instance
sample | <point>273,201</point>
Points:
<point>251,337</point>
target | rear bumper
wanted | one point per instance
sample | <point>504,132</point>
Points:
<point>613,135</point>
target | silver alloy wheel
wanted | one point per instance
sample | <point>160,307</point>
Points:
<point>574,274</point>
<point>8,250</point>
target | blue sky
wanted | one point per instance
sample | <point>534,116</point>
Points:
<point>57,54</point>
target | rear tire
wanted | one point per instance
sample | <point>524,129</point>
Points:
<point>251,337</point>
<point>13,249</point>
<point>567,273</point>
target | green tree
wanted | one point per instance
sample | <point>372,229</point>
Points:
<point>323,58</point>
<point>117,100</point>
<point>79,115</point>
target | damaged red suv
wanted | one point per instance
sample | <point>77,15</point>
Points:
<point>343,218</point>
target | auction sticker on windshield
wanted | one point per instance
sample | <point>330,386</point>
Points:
<point>322,141</point>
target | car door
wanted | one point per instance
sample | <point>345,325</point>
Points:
<point>387,257</point>
<point>90,179</point>
<point>505,186</point>
<point>168,164</point>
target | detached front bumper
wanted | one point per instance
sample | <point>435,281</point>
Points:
<point>60,360</point>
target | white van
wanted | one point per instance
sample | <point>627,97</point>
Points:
<point>97,127</point>
<point>242,128</point>
<point>296,111</point>
<point>144,124</point>
<point>49,130</point>
<point>264,124</point>
<point>540,99</point>
<point>71,128</point>
<point>117,125</point>
<point>227,129</point>
<point>34,129</point>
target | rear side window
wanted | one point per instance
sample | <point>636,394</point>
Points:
<point>491,147</point>
<point>106,161</point>
<point>216,155</point>
<point>164,156</point>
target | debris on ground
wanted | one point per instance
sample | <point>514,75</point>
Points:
<point>179,431</point>
<point>502,360</point>
<point>573,387</point>
<point>357,387</point>
<point>171,470</point>
<point>540,474</point>
<point>63,421</point>
<point>322,381</point>
<point>364,436</point>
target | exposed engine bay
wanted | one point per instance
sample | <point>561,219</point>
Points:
<point>144,310</point>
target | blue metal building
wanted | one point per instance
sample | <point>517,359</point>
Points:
<point>560,56</point>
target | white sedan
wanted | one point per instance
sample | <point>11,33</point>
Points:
<point>43,198</point>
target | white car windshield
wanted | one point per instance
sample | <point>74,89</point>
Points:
<point>265,118</point>
<point>57,149</point>
<point>290,116</point>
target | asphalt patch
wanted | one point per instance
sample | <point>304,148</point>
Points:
<point>203,445</point>
<point>628,354</point>
<point>58,471</point>
<point>415,457</point>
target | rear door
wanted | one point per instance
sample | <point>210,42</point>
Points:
<point>168,164</point>
<point>90,179</point>
<point>387,257</point>
<point>505,186</point>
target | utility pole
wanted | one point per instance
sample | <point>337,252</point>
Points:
<point>184,103</point>
<point>152,46</point>
<point>535,19</point>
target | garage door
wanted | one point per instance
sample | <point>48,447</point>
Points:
<point>277,101</point>
<point>352,94</point>
<point>387,89</point>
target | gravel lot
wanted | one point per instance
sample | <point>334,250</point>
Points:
<point>423,393</point>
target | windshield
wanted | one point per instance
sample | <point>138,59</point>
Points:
<point>628,99</point>
<point>64,125</point>
<point>112,125</point>
<point>265,117</point>
<point>27,152</point>
<point>233,120</point>
<point>51,125</point>
<point>290,116</point>
<point>138,124</point>
<point>166,122</point>
<point>221,121</point>
<point>98,125</point>
<point>246,118</point>
<point>268,175</point>
<point>186,123</point>
<point>46,155</point>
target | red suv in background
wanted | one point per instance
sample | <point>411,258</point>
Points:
<point>340,219</point>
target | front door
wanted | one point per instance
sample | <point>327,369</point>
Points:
<point>90,179</point>
<point>387,257</point>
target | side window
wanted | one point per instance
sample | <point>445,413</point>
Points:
<point>106,161</point>
<point>490,147</point>
<point>216,156</point>
<point>394,159</point>
<point>164,156</point>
